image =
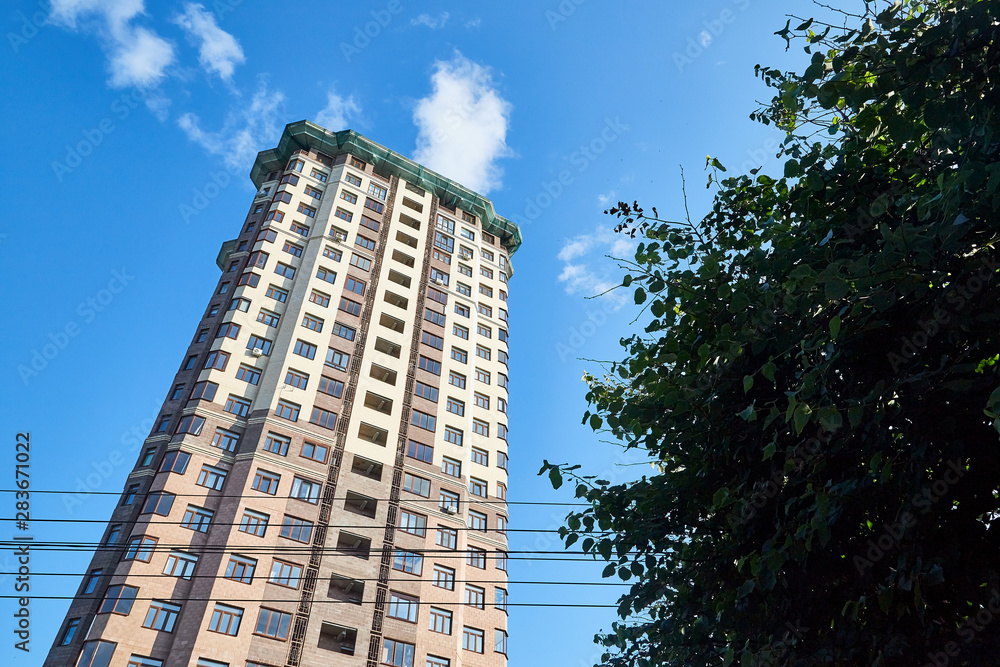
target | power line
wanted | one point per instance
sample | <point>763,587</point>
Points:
<point>209,494</point>
<point>329,525</point>
<point>458,581</point>
<point>315,601</point>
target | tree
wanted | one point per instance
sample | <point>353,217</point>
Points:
<point>817,385</point>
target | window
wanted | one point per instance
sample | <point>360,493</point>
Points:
<point>423,420</point>
<point>440,622</point>
<point>461,356</point>
<point>147,458</point>
<point>412,523</point>
<point>434,661</point>
<point>344,331</point>
<point>346,216</point>
<point>211,477</point>
<point>453,435</point>
<point>349,196</point>
<point>285,270</point>
<point>462,309</point>
<point>295,165</point>
<point>456,379</point>
<point>332,253</point>
<point>430,365</point>
<point>140,548</point>
<point>501,491</point>
<point>269,235</point>
<point>475,596</point>
<point>485,272</point>
<point>113,534</point>
<point>319,298</point>
<point>462,288</point>
<point>254,523</point>
<point>92,579</point>
<point>176,394</point>
<point>398,654</point>
<point>434,317</point>
<point>444,258</point>
<point>444,577</point>
<point>501,380</point>
<point>96,653</point>
<point>485,310</point>
<point>420,451</point>
<point>477,487</point>
<point>480,427</point>
<point>360,262</point>
<point>502,560</point>
<point>502,356</point>
<point>191,424</point>
<point>161,616</point>
<point>197,518</point>
<point>299,228</point>
<point>330,386</point>
<point>258,343</point>
<point>237,406</point>
<point>369,223</point>
<point>486,290</point>
<point>501,641</point>
<point>476,557</point>
<point>285,574</point>
<point>119,600</point>
<point>456,406</point>
<point>437,295</point>
<point>225,619</point>
<point>248,374</point>
<point>268,318</point>
<point>483,352</point>
<point>483,376</point>
<point>240,569</point>
<point>482,401</point>
<point>307,211</point>
<point>465,252</point>
<point>468,234</point>
<point>311,450</point>
<point>365,242</point>
<point>304,349</point>
<point>409,562</point>
<point>357,164</point>
<point>425,391</point>
<point>417,485</point>
<point>501,431</point>
<point>403,607</point>
<point>67,635</point>
<point>446,225</point>
<point>296,529</point>
<point>430,339</point>
<point>465,270</point>
<point>213,310</point>
<point>480,456</point>
<point>266,482</point>
<point>377,190</point>
<point>296,379</point>
<point>338,360</point>
<point>477,521</point>
<point>276,293</point>
<point>276,444</point>
<point>164,423</point>
<point>451,467</point>
<point>472,639</point>
<point>501,524</point>
<point>180,564</point>
<point>273,623</point>
<point>501,598</point>
<point>249,278</point>
<point>460,331</point>
<point>204,390</point>
<point>217,359</point>
<point>305,490</point>
<point>323,418</point>
<point>444,242</point>
<point>373,205</point>
<point>326,274</point>
<point>352,179</point>
<point>350,307</point>
<point>159,502</point>
<point>447,537</point>
<point>318,175</point>
<point>355,285</point>
<point>448,500</point>
<point>129,496</point>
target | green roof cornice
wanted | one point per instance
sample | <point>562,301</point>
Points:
<point>306,135</point>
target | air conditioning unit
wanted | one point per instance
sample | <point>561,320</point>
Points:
<point>437,281</point>
<point>448,509</point>
<point>337,241</point>
<point>258,352</point>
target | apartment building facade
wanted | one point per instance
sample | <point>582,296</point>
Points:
<point>326,479</point>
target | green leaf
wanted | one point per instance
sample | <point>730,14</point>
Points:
<point>801,417</point>
<point>769,451</point>
<point>835,327</point>
<point>596,422</point>
<point>767,370</point>
<point>829,418</point>
<point>627,281</point>
<point>720,497</point>
<point>747,383</point>
<point>555,477</point>
<point>640,295</point>
<point>749,414</point>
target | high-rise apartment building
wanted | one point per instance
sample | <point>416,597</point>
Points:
<point>326,481</point>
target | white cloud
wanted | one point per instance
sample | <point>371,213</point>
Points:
<point>605,199</point>
<point>246,130</point>
<point>580,253</point>
<point>218,51</point>
<point>462,125</point>
<point>431,22</point>
<point>705,38</point>
<point>137,56</point>
<point>338,112</point>
<point>474,23</point>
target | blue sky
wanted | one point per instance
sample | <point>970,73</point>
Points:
<point>130,129</point>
